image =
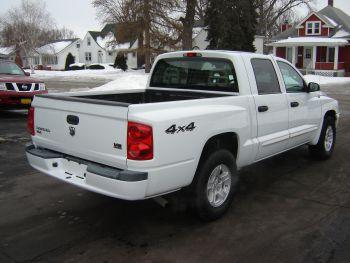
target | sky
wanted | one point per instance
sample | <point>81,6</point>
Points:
<point>80,16</point>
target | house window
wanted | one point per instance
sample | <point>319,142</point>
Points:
<point>313,28</point>
<point>110,53</point>
<point>36,60</point>
<point>308,53</point>
<point>78,45</point>
<point>88,56</point>
<point>290,54</point>
<point>49,60</point>
<point>89,41</point>
<point>331,54</point>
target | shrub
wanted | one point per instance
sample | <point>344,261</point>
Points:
<point>75,67</point>
<point>96,66</point>
<point>120,62</point>
<point>69,60</point>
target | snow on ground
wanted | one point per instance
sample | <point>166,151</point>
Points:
<point>127,80</point>
<point>328,80</point>
<point>83,75</point>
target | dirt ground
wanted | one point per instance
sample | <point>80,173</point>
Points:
<point>289,208</point>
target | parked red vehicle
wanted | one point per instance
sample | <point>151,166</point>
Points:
<point>17,88</point>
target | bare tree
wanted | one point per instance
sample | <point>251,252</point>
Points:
<point>25,26</point>
<point>271,11</point>
<point>153,21</point>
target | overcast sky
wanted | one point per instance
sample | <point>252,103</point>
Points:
<point>80,16</point>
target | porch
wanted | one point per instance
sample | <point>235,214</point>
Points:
<point>320,56</point>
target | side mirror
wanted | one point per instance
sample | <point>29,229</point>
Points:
<point>27,73</point>
<point>313,87</point>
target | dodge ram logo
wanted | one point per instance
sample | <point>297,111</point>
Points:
<point>71,131</point>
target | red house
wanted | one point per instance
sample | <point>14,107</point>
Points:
<point>320,44</point>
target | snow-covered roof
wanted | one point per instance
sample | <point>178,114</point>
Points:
<point>6,50</point>
<point>310,41</point>
<point>108,43</point>
<point>341,34</point>
<point>54,48</point>
<point>196,31</point>
<point>331,21</point>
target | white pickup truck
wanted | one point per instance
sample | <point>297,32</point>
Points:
<point>203,116</point>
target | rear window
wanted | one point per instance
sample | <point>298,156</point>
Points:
<point>209,74</point>
<point>266,77</point>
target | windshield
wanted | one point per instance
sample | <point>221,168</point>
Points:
<point>10,68</point>
<point>198,73</point>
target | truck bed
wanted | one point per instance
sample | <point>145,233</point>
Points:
<point>147,96</point>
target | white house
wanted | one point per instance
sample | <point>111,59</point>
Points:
<point>100,47</point>
<point>54,55</point>
<point>7,53</point>
<point>200,40</point>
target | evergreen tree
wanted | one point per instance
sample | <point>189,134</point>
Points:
<point>231,24</point>
<point>120,62</point>
<point>69,61</point>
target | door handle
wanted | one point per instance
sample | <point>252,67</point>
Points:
<point>294,104</point>
<point>263,108</point>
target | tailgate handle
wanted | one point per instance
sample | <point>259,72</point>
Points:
<point>73,120</point>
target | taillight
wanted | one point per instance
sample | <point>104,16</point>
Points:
<point>192,54</point>
<point>30,124</point>
<point>140,141</point>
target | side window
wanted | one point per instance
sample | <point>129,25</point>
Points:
<point>291,78</point>
<point>266,77</point>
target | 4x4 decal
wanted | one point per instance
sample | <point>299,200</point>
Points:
<point>176,129</point>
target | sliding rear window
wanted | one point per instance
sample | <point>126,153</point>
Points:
<point>198,73</point>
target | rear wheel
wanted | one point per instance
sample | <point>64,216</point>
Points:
<point>324,148</point>
<point>214,185</point>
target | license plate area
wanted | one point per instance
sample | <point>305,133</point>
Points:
<point>26,101</point>
<point>73,170</point>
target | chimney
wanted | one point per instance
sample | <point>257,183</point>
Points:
<point>331,3</point>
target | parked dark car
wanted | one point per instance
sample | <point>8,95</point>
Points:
<point>17,88</point>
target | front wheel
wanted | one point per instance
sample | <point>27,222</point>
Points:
<point>325,146</point>
<point>214,185</point>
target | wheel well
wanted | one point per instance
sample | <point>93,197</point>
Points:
<point>228,141</point>
<point>332,114</point>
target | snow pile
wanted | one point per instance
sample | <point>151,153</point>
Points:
<point>126,80</point>
<point>77,65</point>
<point>54,48</point>
<point>79,75</point>
<point>327,80</point>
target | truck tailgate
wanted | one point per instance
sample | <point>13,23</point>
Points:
<point>91,131</point>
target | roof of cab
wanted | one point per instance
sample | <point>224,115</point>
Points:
<point>210,53</point>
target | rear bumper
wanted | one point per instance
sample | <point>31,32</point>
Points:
<point>13,98</point>
<point>113,182</point>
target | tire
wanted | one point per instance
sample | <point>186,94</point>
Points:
<point>324,148</point>
<point>214,185</point>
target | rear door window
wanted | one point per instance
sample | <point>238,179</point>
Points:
<point>265,76</point>
<point>197,73</point>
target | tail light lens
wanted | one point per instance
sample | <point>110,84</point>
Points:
<point>30,124</point>
<point>140,141</point>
